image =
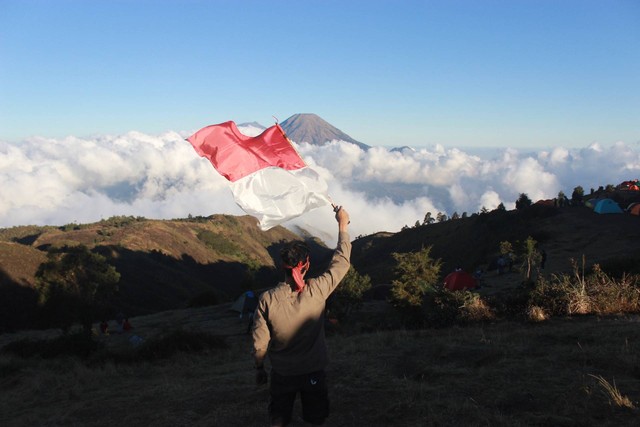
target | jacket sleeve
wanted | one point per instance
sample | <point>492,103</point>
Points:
<point>325,284</point>
<point>260,331</point>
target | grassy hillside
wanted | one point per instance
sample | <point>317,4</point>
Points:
<point>471,243</point>
<point>163,264</point>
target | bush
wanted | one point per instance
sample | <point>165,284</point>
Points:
<point>348,296</point>
<point>553,298</point>
<point>445,308</point>
<point>596,293</point>
<point>417,275</point>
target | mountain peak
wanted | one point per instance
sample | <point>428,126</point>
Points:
<point>311,128</point>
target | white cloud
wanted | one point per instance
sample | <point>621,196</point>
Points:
<point>49,181</point>
<point>490,200</point>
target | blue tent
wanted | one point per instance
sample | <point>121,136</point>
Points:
<point>606,206</point>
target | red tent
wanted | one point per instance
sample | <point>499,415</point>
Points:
<point>459,280</point>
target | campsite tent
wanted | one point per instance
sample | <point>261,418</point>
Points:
<point>459,280</point>
<point>591,203</point>
<point>606,206</point>
<point>635,209</point>
<point>245,303</point>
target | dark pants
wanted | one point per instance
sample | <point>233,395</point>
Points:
<point>314,397</point>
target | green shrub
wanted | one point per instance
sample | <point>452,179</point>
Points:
<point>417,275</point>
<point>348,296</point>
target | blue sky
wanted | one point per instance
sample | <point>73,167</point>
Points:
<point>520,73</point>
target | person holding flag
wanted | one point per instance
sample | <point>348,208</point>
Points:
<point>288,328</point>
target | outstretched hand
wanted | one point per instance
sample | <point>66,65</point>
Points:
<point>342,216</point>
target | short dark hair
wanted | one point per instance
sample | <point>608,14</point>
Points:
<point>294,253</point>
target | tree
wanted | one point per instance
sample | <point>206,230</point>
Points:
<point>484,210</point>
<point>348,296</point>
<point>506,248</point>
<point>417,224</point>
<point>417,273</point>
<point>75,285</point>
<point>455,216</point>
<point>561,201</point>
<point>577,195</point>
<point>501,208</point>
<point>531,257</point>
<point>523,201</point>
<point>441,217</point>
<point>428,219</point>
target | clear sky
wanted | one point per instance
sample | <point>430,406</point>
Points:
<point>517,73</point>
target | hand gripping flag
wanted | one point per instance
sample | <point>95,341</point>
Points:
<point>268,178</point>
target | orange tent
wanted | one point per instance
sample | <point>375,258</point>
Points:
<point>635,209</point>
<point>459,280</point>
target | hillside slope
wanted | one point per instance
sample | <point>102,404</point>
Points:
<point>471,243</point>
<point>163,264</point>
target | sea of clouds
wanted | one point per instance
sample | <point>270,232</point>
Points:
<point>81,180</point>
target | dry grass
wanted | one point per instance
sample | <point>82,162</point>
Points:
<point>500,374</point>
<point>537,314</point>
<point>612,392</point>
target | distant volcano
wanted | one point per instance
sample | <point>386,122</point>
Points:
<point>314,130</point>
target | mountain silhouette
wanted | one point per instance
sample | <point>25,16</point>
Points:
<point>313,129</point>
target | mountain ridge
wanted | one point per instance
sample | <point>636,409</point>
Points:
<point>311,128</point>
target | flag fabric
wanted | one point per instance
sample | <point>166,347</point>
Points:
<point>267,176</point>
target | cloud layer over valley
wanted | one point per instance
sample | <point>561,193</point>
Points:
<point>60,181</point>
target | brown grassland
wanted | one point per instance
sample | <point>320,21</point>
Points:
<point>572,371</point>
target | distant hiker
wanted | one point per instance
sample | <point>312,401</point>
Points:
<point>289,328</point>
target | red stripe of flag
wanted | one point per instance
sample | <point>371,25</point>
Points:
<point>235,155</point>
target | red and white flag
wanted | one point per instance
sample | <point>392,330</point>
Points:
<point>268,178</point>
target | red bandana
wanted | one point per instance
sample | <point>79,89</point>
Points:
<point>298,273</point>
